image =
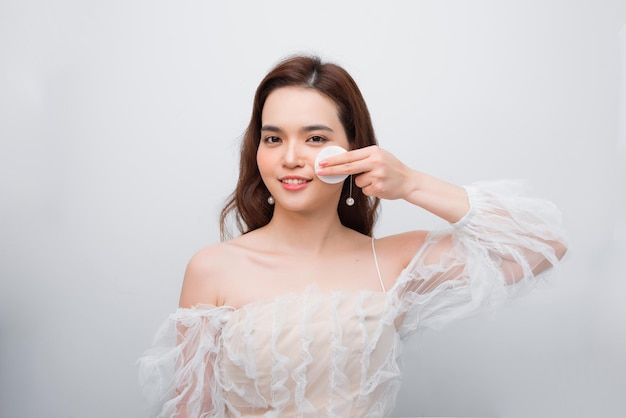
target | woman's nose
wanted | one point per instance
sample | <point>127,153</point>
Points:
<point>293,155</point>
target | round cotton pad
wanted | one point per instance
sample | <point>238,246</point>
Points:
<point>325,153</point>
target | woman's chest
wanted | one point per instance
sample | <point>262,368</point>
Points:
<point>311,343</point>
<point>252,280</point>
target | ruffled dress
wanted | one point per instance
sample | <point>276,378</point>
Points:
<point>337,354</point>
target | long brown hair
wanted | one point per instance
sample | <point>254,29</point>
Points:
<point>248,203</point>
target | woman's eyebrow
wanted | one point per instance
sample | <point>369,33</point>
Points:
<point>271,128</point>
<point>308,128</point>
<point>311,128</point>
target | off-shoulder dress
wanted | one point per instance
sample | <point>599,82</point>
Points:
<point>337,354</point>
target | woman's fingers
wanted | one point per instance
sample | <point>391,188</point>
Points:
<point>372,184</point>
<point>351,162</point>
<point>377,172</point>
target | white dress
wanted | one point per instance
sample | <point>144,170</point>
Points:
<point>316,354</point>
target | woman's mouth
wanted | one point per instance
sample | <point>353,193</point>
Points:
<point>294,183</point>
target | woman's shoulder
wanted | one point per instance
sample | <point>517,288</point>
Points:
<point>206,272</point>
<point>220,255</point>
<point>401,248</point>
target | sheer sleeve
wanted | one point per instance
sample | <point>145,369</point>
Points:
<point>177,373</point>
<point>495,252</point>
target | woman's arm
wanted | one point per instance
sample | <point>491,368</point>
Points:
<point>495,245</point>
<point>177,373</point>
<point>458,205</point>
<point>379,173</point>
<point>493,254</point>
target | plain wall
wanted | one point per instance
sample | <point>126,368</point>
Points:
<point>119,129</point>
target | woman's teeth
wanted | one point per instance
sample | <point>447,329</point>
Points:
<point>294,181</point>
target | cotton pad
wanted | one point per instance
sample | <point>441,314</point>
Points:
<point>325,153</point>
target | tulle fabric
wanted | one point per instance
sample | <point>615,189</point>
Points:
<point>177,372</point>
<point>480,262</point>
<point>337,355</point>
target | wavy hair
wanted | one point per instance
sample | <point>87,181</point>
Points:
<point>248,203</point>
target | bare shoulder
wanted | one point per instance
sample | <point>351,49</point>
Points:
<point>399,249</point>
<point>205,274</point>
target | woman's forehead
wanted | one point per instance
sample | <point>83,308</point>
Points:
<point>299,106</point>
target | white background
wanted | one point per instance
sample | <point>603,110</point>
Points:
<point>119,129</point>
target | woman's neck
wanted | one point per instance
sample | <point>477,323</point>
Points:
<point>298,232</point>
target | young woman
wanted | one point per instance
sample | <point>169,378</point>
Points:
<point>303,315</point>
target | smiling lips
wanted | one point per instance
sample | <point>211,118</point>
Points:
<point>294,183</point>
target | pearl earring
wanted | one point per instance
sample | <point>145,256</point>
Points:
<point>350,200</point>
<point>271,200</point>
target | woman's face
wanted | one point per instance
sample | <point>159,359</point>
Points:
<point>296,123</point>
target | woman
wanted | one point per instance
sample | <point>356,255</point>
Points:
<point>304,313</point>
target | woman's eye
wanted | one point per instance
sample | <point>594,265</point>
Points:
<point>271,140</point>
<point>317,139</point>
